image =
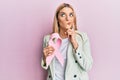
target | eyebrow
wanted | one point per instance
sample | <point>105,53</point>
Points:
<point>61,12</point>
<point>64,12</point>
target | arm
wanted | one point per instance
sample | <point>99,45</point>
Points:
<point>83,54</point>
<point>43,62</point>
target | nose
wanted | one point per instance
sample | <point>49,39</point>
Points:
<point>67,18</point>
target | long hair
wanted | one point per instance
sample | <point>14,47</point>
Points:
<point>56,26</point>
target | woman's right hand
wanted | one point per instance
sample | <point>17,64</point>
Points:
<point>47,51</point>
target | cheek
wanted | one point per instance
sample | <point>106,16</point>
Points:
<point>72,19</point>
<point>62,21</point>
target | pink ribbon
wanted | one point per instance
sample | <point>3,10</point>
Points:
<point>55,42</point>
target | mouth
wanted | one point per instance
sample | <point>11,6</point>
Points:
<point>69,26</point>
<point>68,23</point>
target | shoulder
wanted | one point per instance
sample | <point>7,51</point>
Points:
<point>82,35</point>
<point>46,37</point>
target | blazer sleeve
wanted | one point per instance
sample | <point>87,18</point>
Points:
<point>43,64</point>
<point>83,54</point>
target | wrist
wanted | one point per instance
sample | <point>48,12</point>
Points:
<point>75,44</point>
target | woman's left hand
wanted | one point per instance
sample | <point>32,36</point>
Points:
<point>71,35</point>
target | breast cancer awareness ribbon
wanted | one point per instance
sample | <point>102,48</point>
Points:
<point>55,42</point>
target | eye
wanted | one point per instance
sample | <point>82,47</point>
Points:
<point>62,14</point>
<point>71,14</point>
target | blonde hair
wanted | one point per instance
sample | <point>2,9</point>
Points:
<point>55,22</point>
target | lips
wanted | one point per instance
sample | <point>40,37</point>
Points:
<point>69,26</point>
<point>68,23</point>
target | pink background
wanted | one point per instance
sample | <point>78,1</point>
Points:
<point>24,22</point>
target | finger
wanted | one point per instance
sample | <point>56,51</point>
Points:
<point>68,27</point>
<point>45,53</point>
<point>51,48</point>
<point>46,49</point>
<point>71,27</point>
<point>69,31</point>
<point>50,53</point>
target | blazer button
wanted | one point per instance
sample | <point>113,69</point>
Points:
<point>49,76</point>
<point>78,53</point>
<point>80,57</point>
<point>75,76</point>
<point>75,61</point>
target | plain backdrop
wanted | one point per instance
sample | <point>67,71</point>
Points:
<point>23,23</point>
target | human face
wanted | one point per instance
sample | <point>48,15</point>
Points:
<point>66,18</point>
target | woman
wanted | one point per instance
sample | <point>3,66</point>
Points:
<point>74,48</point>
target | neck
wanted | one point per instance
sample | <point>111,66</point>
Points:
<point>62,34</point>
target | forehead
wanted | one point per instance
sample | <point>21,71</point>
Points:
<point>66,10</point>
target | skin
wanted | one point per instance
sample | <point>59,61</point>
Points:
<point>66,22</point>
